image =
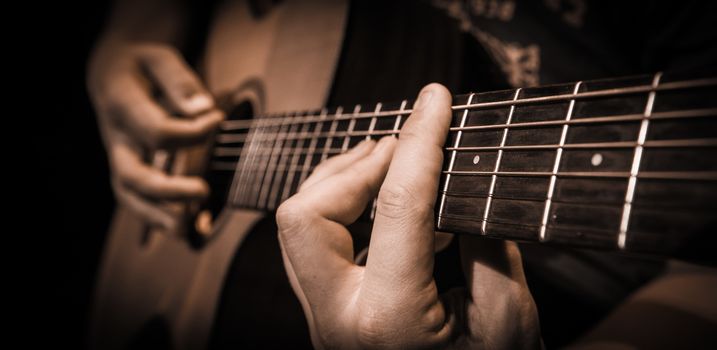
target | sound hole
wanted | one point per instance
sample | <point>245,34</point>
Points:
<point>219,181</point>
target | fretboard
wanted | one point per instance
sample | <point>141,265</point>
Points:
<point>627,164</point>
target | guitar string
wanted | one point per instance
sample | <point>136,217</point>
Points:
<point>375,115</point>
<point>226,138</point>
<point>315,117</point>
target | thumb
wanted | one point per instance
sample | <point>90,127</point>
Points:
<point>181,86</point>
<point>500,306</point>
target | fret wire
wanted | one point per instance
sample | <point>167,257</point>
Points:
<point>682,114</point>
<point>373,120</point>
<point>234,125</point>
<point>276,154</point>
<point>352,123</point>
<point>279,177</point>
<point>252,193</point>
<point>556,164</point>
<point>239,175</point>
<point>489,200</point>
<point>330,138</point>
<point>452,160</point>
<point>312,148</point>
<point>292,168</point>
<point>632,181</point>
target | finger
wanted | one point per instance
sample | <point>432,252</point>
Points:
<point>152,213</point>
<point>490,265</point>
<point>182,87</point>
<point>312,223</point>
<point>134,110</point>
<point>335,164</point>
<point>498,294</point>
<point>402,242</point>
<point>133,173</point>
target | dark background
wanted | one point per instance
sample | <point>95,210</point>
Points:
<point>74,171</point>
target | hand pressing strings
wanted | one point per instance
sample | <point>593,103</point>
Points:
<point>393,302</point>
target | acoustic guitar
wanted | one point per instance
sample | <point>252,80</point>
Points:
<point>624,164</point>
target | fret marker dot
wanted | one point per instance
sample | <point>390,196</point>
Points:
<point>476,159</point>
<point>596,159</point>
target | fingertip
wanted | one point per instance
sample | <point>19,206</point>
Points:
<point>198,103</point>
<point>431,93</point>
<point>437,88</point>
<point>201,187</point>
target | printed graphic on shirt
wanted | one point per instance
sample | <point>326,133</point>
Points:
<point>520,63</point>
<point>571,11</point>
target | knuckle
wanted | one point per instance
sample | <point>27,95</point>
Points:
<point>371,331</point>
<point>291,217</point>
<point>397,201</point>
<point>409,133</point>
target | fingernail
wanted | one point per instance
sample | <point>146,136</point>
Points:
<point>423,99</point>
<point>199,102</point>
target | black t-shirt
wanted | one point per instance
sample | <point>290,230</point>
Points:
<point>393,48</point>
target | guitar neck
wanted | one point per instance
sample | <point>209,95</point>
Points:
<point>626,164</point>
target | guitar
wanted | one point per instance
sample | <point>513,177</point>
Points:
<point>625,164</point>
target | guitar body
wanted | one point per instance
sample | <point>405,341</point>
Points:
<point>154,284</point>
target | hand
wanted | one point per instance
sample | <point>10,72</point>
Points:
<point>134,124</point>
<point>393,302</point>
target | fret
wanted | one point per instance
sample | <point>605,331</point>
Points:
<point>399,118</point>
<point>612,104</point>
<point>556,165</point>
<point>499,156</point>
<point>602,133</point>
<point>243,188</point>
<point>256,174</point>
<point>624,221</point>
<point>373,121</point>
<point>595,190</point>
<point>457,142</point>
<point>277,153</point>
<point>352,124</point>
<point>303,155</point>
<point>597,160</point>
<point>239,179</point>
<point>312,147</point>
<point>281,169</point>
<point>281,176</point>
<point>293,168</point>
<point>332,131</point>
